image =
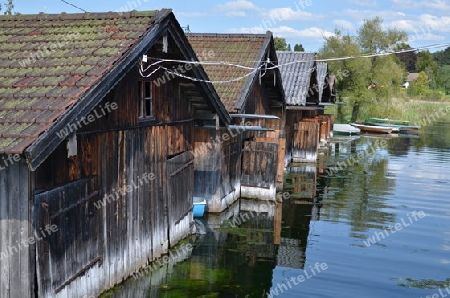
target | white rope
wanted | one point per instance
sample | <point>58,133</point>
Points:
<point>264,64</point>
<point>203,63</point>
<point>141,71</point>
<point>206,81</point>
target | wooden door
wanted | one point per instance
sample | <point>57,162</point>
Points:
<point>180,189</point>
<point>305,142</point>
<point>76,246</point>
<point>259,164</point>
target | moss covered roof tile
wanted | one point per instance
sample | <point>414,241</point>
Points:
<point>48,61</point>
<point>236,48</point>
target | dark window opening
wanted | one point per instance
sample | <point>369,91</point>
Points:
<point>145,102</point>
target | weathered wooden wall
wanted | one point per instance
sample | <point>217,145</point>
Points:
<point>263,99</point>
<point>326,126</point>
<point>330,122</point>
<point>180,180</point>
<point>278,135</point>
<point>281,142</point>
<point>217,167</point>
<point>77,246</point>
<point>134,226</point>
<point>218,158</point>
<point>16,253</point>
<point>143,168</point>
<point>259,167</point>
<point>305,142</point>
<point>292,117</point>
<point>306,130</point>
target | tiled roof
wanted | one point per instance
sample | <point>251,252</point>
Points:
<point>296,76</point>
<point>412,76</point>
<point>322,71</point>
<point>47,62</point>
<point>242,49</point>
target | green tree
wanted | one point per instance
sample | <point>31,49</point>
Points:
<point>298,48</point>
<point>421,86</point>
<point>374,39</point>
<point>445,78</point>
<point>280,43</point>
<point>442,57</point>
<point>289,47</point>
<point>9,6</point>
<point>426,63</point>
<point>408,58</point>
<point>352,75</point>
<point>386,70</point>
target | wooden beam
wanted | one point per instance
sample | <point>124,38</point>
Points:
<point>238,127</point>
<point>302,108</point>
<point>254,116</point>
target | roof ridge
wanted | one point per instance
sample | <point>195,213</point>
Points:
<point>80,16</point>
<point>227,35</point>
<point>294,52</point>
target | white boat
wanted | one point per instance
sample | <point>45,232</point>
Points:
<point>373,128</point>
<point>345,130</point>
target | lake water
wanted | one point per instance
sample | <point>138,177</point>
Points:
<point>371,219</point>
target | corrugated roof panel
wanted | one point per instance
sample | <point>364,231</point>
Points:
<point>296,69</point>
<point>322,71</point>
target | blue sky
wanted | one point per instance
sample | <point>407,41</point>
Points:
<point>299,21</point>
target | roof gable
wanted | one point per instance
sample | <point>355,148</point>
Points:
<point>50,78</point>
<point>246,50</point>
<point>296,75</point>
<point>49,61</point>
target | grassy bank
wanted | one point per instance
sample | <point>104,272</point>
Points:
<point>416,110</point>
<point>409,109</point>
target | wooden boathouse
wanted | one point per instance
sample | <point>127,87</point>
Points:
<point>308,87</point>
<point>244,161</point>
<point>99,176</point>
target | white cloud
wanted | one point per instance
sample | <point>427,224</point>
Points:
<point>312,32</point>
<point>405,25</point>
<point>360,15</point>
<point>288,14</point>
<point>237,8</point>
<point>424,21</point>
<point>344,24</point>
<point>366,3</point>
<point>420,36</point>
<point>435,23</point>
<point>236,14</point>
<point>423,27</point>
<point>429,4</point>
<point>289,32</point>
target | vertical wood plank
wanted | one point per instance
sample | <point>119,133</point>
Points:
<point>15,228</point>
<point>4,234</point>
